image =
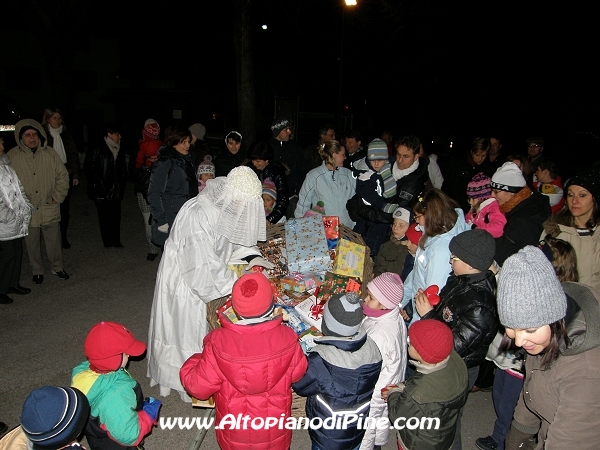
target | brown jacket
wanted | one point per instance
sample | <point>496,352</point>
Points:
<point>562,404</point>
<point>42,174</point>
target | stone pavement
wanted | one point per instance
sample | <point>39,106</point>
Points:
<point>42,333</point>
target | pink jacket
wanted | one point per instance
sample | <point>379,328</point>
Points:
<point>250,370</point>
<point>488,218</point>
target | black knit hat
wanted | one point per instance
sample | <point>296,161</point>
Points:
<point>475,247</point>
<point>589,180</point>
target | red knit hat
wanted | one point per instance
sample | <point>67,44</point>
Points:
<point>252,296</point>
<point>432,339</point>
<point>151,129</point>
<point>412,234</point>
<point>105,344</point>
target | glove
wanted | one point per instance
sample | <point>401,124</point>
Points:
<point>151,407</point>
<point>164,228</point>
<point>258,261</point>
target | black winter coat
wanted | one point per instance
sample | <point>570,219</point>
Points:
<point>524,226</point>
<point>276,172</point>
<point>172,183</point>
<point>468,306</point>
<point>106,177</point>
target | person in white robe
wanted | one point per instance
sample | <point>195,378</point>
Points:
<point>213,232</point>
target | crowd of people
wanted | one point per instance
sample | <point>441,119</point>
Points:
<point>482,261</point>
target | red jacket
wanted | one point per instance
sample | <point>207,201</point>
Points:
<point>250,370</point>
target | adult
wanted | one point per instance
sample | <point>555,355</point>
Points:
<point>199,148</point>
<point>231,156</point>
<point>172,183</point>
<point>61,140</point>
<point>354,148</point>
<point>290,154</point>
<point>525,211</point>
<point>330,183</point>
<point>578,224</point>
<point>559,328</point>
<point>106,172</point>
<point>46,183</point>
<point>535,147</point>
<point>462,170</point>
<point>522,163</point>
<point>214,231</point>
<point>311,153</point>
<point>147,155</point>
<point>435,178</point>
<point>495,158</point>
<point>411,174</point>
<point>262,159</point>
<point>15,210</point>
<point>440,218</point>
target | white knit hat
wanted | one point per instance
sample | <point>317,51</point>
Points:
<point>508,178</point>
<point>529,292</point>
<point>206,166</point>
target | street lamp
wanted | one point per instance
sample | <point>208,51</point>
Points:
<point>348,3</point>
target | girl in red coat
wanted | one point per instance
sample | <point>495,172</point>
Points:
<point>249,366</point>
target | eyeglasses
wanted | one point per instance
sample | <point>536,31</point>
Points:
<point>454,258</point>
<point>534,145</point>
<point>418,217</point>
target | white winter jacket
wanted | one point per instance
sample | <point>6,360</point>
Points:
<point>15,208</point>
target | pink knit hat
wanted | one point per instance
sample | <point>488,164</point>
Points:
<point>387,289</point>
<point>479,187</point>
<point>151,129</point>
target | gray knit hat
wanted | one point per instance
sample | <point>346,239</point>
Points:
<point>377,150</point>
<point>475,247</point>
<point>342,315</point>
<point>529,292</point>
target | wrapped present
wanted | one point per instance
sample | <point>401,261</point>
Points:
<point>301,282</point>
<point>332,230</point>
<point>349,259</point>
<point>293,319</point>
<point>274,252</point>
<point>306,245</point>
<point>336,284</point>
<point>311,311</point>
<point>307,338</point>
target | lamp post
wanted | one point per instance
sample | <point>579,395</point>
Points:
<point>340,81</point>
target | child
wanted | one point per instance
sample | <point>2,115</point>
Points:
<point>52,418</point>
<point>508,379</point>
<point>374,184</point>
<point>413,235</point>
<point>249,367</point>
<point>342,371</point>
<point>392,254</point>
<point>438,388</point>
<point>269,196</point>
<point>549,183</point>
<point>119,416</point>
<point>382,324</point>
<point>467,301</point>
<point>484,212</point>
<point>206,171</point>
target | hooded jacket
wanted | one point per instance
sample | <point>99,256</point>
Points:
<point>523,226</point>
<point>561,403</point>
<point>341,377</point>
<point>587,248</point>
<point>250,370</point>
<point>42,174</point>
<point>468,306</point>
<point>15,209</point>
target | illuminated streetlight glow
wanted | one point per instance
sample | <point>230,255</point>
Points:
<point>350,2</point>
<point>264,27</point>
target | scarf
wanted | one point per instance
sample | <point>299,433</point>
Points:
<point>523,194</point>
<point>400,173</point>
<point>58,145</point>
<point>113,146</point>
<point>370,312</point>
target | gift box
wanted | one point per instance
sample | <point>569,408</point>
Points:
<point>274,251</point>
<point>306,246</point>
<point>300,282</point>
<point>349,259</point>
<point>311,311</point>
<point>293,319</point>
<point>335,284</point>
<point>332,231</point>
<point>307,339</point>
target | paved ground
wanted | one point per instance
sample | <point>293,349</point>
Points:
<point>42,333</point>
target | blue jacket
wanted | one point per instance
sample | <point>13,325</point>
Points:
<point>341,377</point>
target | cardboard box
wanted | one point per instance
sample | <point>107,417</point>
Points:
<point>350,259</point>
<point>311,311</point>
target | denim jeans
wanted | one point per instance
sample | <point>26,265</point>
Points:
<point>505,394</point>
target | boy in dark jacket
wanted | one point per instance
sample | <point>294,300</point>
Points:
<point>392,254</point>
<point>436,390</point>
<point>468,300</point>
<point>342,371</point>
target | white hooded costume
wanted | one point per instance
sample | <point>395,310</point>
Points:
<point>217,228</point>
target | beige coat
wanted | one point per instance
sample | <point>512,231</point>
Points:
<point>42,174</point>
